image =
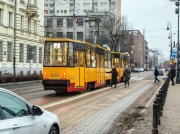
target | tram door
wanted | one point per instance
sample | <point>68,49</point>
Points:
<point>117,65</point>
<point>102,69</point>
<point>80,68</point>
<point>98,69</point>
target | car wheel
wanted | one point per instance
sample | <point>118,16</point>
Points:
<point>53,130</point>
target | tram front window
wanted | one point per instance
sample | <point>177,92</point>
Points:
<point>55,54</point>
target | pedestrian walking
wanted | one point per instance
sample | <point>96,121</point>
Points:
<point>126,76</point>
<point>156,73</point>
<point>172,74</point>
<point>113,76</point>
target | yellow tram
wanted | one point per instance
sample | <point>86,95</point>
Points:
<point>72,65</point>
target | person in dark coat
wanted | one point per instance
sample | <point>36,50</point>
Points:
<point>113,76</point>
<point>126,75</point>
<point>156,73</point>
<point>172,74</point>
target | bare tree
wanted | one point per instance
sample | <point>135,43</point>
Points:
<point>115,31</point>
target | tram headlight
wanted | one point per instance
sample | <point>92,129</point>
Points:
<point>64,75</point>
<point>45,75</point>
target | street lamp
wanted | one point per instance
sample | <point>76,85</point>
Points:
<point>169,27</point>
<point>178,70</point>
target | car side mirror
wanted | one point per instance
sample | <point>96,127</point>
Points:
<point>37,110</point>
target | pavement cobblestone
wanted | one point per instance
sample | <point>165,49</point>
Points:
<point>170,120</point>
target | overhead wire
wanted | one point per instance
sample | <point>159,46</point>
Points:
<point>151,13</point>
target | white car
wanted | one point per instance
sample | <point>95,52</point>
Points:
<point>17,116</point>
<point>141,69</point>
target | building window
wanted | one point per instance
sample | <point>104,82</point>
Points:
<point>101,3</point>
<point>1,16</point>
<point>65,11</point>
<point>79,35</point>
<point>52,12</point>
<point>70,35</point>
<point>40,55</point>
<point>22,22</point>
<point>31,53</point>
<point>1,50</point>
<point>59,22</point>
<point>35,26</point>
<point>59,34</point>
<point>84,10</point>
<point>10,19</point>
<point>57,11</point>
<point>29,25</point>
<point>48,34</point>
<point>80,21</point>
<point>49,22</point>
<point>21,52</point>
<point>69,22</point>
<point>9,51</point>
<point>61,11</point>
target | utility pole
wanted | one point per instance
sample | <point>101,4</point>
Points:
<point>169,27</point>
<point>178,69</point>
<point>74,18</point>
<point>14,52</point>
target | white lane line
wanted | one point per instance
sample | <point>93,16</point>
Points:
<point>77,97</point>
<point>113,98</point>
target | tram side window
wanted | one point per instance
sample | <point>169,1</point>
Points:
<point>81,58</point>
<point>76,62</point>
<point>122,61</point>
<point>93,56</point>
<point>109,59</point>
<point>106,59</point>
<point>113,60</point>
<point>58,55</point>
<point>47,54</point>
<point>88,56</point>
<point>70,54</point>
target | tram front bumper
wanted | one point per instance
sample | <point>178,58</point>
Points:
<point>55,84</point>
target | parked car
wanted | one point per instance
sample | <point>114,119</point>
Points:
<point>152,69</point>
<point>141,69</point>
<point>136,70</point>
<point>18,116</point>
<point>160,71</point>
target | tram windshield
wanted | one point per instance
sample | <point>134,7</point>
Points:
<point>58,54</point>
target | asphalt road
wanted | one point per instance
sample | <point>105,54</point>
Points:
<point>91,112</point>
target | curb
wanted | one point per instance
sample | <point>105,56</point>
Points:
<point>18,83</point>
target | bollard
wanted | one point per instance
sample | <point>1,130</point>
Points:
<point>158,111</point>
<point>161,96</point>
<point>159,105</point>
<point>155,119</point>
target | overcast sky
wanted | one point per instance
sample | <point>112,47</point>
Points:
<point>152,15</point>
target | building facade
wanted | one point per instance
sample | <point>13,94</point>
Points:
<point>134,43</point>
<point>21,36</point>
<point>80,7</point>
<point>138,49</point>
<point>85,28</point>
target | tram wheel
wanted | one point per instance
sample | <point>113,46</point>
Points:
<point>89,87</point>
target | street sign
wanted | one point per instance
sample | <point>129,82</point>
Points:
<point>173,55</point>
<point>172,61</point>
<point>174,50</point>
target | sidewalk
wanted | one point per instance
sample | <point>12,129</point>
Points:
<point>170,121</point>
